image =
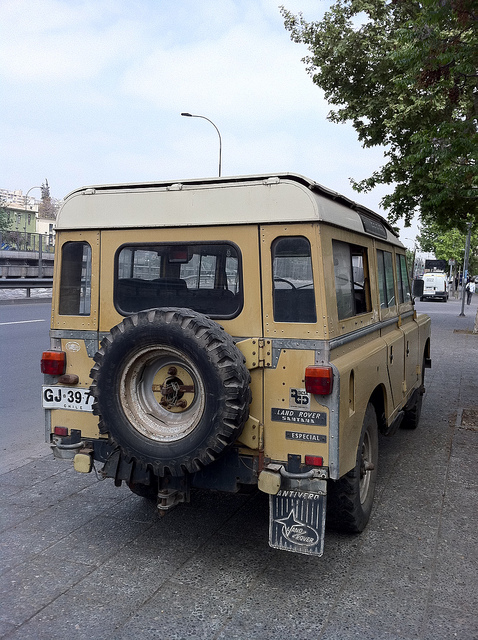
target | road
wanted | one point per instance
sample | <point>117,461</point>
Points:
<point>23,336</point>
<point>85,560</point>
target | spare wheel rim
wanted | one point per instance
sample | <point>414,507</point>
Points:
<point>162,393</point>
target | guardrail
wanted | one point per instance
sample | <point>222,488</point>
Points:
<point>15,240</point>
<point>26,283</point>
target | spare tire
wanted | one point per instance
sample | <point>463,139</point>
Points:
<point>171,390</point>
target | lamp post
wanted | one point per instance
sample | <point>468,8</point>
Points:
<point>40,257</point>
<point>465,269</point>
<point>414,256</point>
<point>192,115</point>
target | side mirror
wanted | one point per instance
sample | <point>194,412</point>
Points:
<point>417,288</point>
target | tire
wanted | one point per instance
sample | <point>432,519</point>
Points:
<point>171,390</point>
<point>412,415</point>
<point>350,499</point>
<point>411,418</point>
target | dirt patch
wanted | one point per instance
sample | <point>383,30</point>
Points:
<point>469,419</point>
<point>468,331</point>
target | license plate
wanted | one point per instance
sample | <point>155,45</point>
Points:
<point>297,522</point>
<point>67,398</point>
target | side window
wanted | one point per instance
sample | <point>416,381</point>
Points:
<point>200,276</point>
<point>403,280</point>
<point>385,279</point>
<point>293,286</point>
<point>75,279</point>
<point>351,279</point>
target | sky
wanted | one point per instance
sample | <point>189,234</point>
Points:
<point>91,92</point>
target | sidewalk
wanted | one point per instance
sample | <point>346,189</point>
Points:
<point>82,559</point>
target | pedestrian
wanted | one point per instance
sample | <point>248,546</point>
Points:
<point>470,290</point>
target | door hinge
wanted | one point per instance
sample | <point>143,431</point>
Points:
<point>257,352</point>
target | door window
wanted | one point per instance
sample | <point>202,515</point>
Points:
<point>403,280</point>
<point>293,285</point>
<point>351,279</point>
<point>385,279</point>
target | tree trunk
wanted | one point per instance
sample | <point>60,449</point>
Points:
<point>475,328</point>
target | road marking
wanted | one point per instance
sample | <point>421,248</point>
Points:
<point>21,322</point>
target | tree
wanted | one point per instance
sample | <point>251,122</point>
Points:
<point>48,206</point>
<point>449,245</point>
<point>405,74</point>
<point>4,215</point>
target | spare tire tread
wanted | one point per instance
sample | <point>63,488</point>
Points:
<point>202,339</point>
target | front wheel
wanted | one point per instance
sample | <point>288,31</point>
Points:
<point>350,498</point>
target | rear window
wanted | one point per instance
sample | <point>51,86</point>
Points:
<point>200,276</point>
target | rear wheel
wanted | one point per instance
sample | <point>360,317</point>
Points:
<point>350,498</point>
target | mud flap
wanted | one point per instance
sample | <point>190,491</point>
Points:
<point>297,521</point>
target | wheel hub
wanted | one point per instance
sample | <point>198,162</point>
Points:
<point>173,389</point>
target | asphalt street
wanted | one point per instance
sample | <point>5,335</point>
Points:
<point>23,336</point>
<point>82,559</point>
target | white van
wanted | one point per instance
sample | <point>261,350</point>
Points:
<point>435,286</point>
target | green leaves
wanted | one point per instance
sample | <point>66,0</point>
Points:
<point>405,75</point>
<point>448,245</point>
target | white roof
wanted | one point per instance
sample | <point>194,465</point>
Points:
<point>263,199</point>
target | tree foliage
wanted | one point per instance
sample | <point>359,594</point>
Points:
<point>449,245</point>
<point>404,72</point>
<point>4,214</point>
<point>48,206</point>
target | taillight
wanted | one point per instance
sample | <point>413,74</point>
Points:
<point>314,461</point>
<point>53,362</point>
<point>319,380</point>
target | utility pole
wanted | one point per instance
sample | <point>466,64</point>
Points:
<point>465,270</point>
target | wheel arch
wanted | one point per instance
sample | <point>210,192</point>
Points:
<point>427,350</point>
<point>379,400</point>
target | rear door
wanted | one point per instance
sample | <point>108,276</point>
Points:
<point>213,270</point>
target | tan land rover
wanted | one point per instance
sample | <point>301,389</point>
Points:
<point>231,332</point>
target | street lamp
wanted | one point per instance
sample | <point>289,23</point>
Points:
<point>414,256</point>
<point>40,261</point>
<point>465,269</point>
<point>192,115</point>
